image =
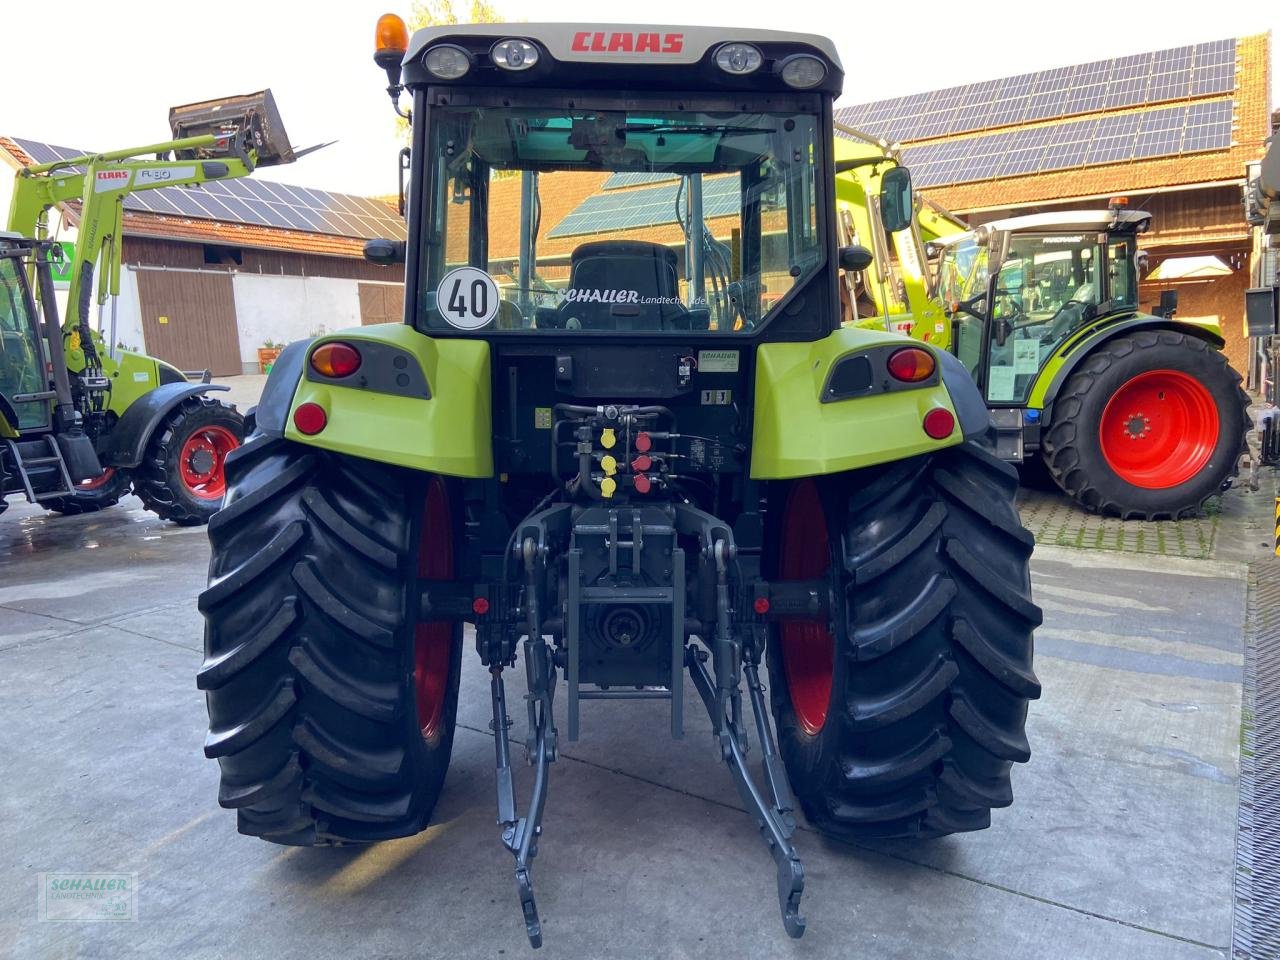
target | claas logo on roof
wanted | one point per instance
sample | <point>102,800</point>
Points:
<point>623,42</point>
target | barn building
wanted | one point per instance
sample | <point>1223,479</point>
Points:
<point>212,274</point>
<point>1172,130</point>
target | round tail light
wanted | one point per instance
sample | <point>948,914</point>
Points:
<point>911,364</point>
<point>335,360</point>
<point>310,418</point>
<point>939,423</point>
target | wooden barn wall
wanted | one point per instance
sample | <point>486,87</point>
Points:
<point>154,252</point>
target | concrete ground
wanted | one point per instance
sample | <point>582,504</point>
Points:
<point>1119,842</point>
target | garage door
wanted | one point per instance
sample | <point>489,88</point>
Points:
<point>189,319</point>
<point>381,303</point>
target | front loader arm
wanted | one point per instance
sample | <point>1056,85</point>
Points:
<point>100,182</point>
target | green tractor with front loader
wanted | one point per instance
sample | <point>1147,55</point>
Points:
<point>83,422</point>
<point>621,436</point>
<point>1133,413</point>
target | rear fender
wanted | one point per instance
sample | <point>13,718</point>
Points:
<point>415,402</point>
<point>797,434</point>
<point>128,439</point>
<point>1072,352</point>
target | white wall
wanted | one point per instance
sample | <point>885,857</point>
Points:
<point>284,309</point>
<point>128,314</point>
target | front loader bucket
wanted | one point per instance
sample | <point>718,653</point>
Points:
<point>247,122</point>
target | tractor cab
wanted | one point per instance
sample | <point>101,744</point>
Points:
<point>21,346</point>
<point>696,207</point>
<point>1018,290</point>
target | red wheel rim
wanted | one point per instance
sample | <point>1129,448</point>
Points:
<point>433,642</point>
<point>97,482</point>
<point>202,460</point>
<point>808,648</point>
<point>1159,429</point>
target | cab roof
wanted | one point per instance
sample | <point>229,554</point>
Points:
<point>576,41</point>
<point>1061,219</point>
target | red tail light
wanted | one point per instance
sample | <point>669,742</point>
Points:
<point>938,423</point>
<point>911,364</point>
<point>336,360</point>
<point>310,418</point>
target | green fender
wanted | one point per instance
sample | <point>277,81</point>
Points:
<point>798,435</point>
<point>448,431</point>
<point>1072,351</point>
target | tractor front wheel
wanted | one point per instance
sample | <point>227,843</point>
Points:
<point>331,706</point>
<point>182,476</point>
<point>1148,427</point>
<point>92,495</point>
<point>903,715</point>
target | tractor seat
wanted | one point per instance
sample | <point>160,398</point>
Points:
<point>623,285</point>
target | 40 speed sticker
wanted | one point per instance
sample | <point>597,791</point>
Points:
<point>467,298</point>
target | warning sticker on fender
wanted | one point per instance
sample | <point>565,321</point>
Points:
<point>717,361</point>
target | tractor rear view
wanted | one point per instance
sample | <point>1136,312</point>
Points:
<point>622,437</point>
<point>81,422</point>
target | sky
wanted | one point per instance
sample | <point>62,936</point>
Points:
<point>102,76</point>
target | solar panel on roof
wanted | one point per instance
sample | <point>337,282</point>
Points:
<point>625,210</point>
<point>255,202</point>
<point>617,181</point>
<point>1163,132</point>
<point>1147,78</point>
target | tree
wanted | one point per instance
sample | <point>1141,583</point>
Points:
<point>437,13</point>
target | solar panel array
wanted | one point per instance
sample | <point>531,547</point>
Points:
<point>259,203</point>
<point>618,181</point>
<point>630,209</point>
<point>1146,78</point>
<point>1113,138</point>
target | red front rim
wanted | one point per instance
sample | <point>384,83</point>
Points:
<point>808,648</point>
<point>1159,429</point>
<point>202,461</point>
<point>433,642</point>
<point>97,482</point>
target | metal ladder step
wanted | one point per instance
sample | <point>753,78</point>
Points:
<point>67,487</point>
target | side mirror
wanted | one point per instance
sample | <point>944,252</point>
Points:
<point>384,252</point>
<point>1168,304</point>
<point>896,200</point>
<point>855,258</point>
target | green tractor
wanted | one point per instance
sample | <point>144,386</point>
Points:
<point>1134,414</point>
<point>76,441</point>
<point>82,422</point>
<point>621,436</point>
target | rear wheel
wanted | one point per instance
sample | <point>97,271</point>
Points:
<point>182,476</point>
<point>1149,427</point>
<point>93,495</point>
<point>904,715</point>
<point>331,708</point>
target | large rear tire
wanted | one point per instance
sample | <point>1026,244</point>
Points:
<point>331,708</point>
<point>903,717</point>
<point>1148,427</point>
<point>182,476</point>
